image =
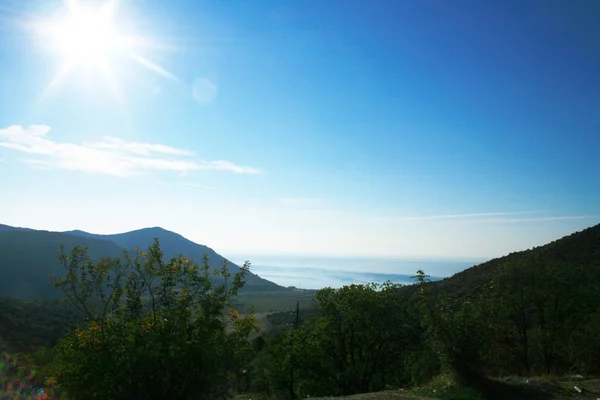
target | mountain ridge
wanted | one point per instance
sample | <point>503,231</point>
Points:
<point>29,256</point>
<point>578,248</point>
<point>561,249</point>
<point>174,244</point>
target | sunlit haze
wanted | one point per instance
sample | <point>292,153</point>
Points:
<point>85,34</point>
<point>383,129</point>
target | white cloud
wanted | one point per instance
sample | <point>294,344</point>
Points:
<point>462,216</point>
<point>204,91</point>
<point>299,201</point>
<point>114,143</point>
<point>37,164</point>
<point>493,217</point>
<point>229,166</point>
<point>541,219</point>
<point>110,156</point>
<point>197,185</point>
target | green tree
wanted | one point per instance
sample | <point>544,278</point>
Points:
<point>359,333</point>
<point>584,347</point>
<point>361,338</point>
<point>457,329</point>
<point>543,307</point>
<point>155,329</point>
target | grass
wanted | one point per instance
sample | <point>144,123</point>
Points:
<point>444,387</point>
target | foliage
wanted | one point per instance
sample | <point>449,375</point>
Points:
<point>356,343</point>
<point>29,325</point>
<point>546,309</point>
<point>456,330</point>
<point>154,329</point>
<point>274,301</point>
<point>536,312</point>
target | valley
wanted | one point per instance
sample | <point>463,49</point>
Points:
<point>475,320</point>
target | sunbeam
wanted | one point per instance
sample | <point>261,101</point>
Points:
<point>151,66</point>
<point>88,37</point>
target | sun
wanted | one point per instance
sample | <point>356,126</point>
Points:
<point>87,35</point>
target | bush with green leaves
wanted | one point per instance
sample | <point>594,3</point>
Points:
<point>359,341</point>
<point>457,329</point>
<point>546,312</point>
<point>155,329</point>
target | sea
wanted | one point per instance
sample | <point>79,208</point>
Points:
<point>317,273</point>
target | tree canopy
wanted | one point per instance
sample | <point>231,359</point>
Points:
<point>153,328</point>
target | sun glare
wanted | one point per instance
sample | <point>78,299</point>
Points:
<point>88,36</point>
<point>85,34</point>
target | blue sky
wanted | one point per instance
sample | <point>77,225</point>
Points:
<point>464,129</point>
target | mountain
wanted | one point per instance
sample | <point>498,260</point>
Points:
<point>28,256</point>
<point>7,228</point>
<point>580,248</point>
<point>172,245</point>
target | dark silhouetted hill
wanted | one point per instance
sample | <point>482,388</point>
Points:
<point>28,256</point>
<point>580,248</point>
<point>172,245</point>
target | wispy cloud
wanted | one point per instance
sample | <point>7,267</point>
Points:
<point>299,201</point>
<point>197,185</point>
<point>36,164</point>
<point>495,217</point>
<point>138,148</point>
<point>110,156</point>
<point>541,219</point>
<point>464,216</point>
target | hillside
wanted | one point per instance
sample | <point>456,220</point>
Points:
<point>580,248</point>
<point>28,325</point>
<point>173,244</point>
<point>28,256</point>
<point>531,335</point>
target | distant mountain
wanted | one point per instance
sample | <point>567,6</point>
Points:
<point>172,245</point>
<point>28,256</point>
<point>7,228</point>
